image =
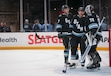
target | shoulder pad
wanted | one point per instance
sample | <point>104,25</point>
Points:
<point>60,15</point>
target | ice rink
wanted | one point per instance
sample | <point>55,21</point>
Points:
<point>45,63</point>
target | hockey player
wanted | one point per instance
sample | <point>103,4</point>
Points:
<point>78,30</point>
<point>62,27</point>
<point>93,24</point>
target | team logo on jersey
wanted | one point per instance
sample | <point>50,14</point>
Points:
<point>75,21</point>
<point>78,25</point>
<point>91,19</point>
<point>67,21</point>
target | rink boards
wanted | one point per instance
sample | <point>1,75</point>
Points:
<point>18,40</point>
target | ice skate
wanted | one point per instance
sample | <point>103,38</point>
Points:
<point>94,66</point>
<point>83,64</point>
<point>74,61</point>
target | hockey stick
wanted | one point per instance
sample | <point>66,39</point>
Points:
<point>87,49</point>
<point>67,64</point>
<point>38,36</point>
<point>100,23</point>
<point>65,70</point>
<point>90,41</point>
<point>63,35</point>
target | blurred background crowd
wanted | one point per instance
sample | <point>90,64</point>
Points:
<point>37,26</point>
<point>34,14</point>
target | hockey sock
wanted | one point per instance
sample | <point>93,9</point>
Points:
<point>66,55</point>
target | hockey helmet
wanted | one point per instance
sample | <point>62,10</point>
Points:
<point>64,7</point>
<point>89,9</point>
<point>81,9</point>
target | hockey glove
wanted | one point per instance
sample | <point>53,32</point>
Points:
<point>60,35</point>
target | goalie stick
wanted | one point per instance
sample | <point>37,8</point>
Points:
<point>90,41</point>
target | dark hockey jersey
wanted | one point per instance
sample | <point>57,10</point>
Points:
<point>93,18</point>
<point>78,25</point>
<point>92,25</point>
<point>92,21</point>
<point>64,22</point>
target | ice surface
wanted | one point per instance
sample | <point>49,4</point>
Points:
<point>44,63</point>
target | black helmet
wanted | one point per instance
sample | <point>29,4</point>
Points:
<point>81,9</point>
<point>64,7</point>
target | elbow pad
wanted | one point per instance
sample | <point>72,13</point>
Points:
<point>93,26</point>
<point>59,28</point>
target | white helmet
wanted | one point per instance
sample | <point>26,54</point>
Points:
<point>89,9</point>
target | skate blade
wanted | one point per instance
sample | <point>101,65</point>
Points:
<point>93,69</point>
<point>73,66</point>
<point>67,64</point>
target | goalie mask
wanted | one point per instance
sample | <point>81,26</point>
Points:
<point>89,10</point>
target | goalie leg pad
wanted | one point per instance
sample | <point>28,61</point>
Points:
<point>95,57</point>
